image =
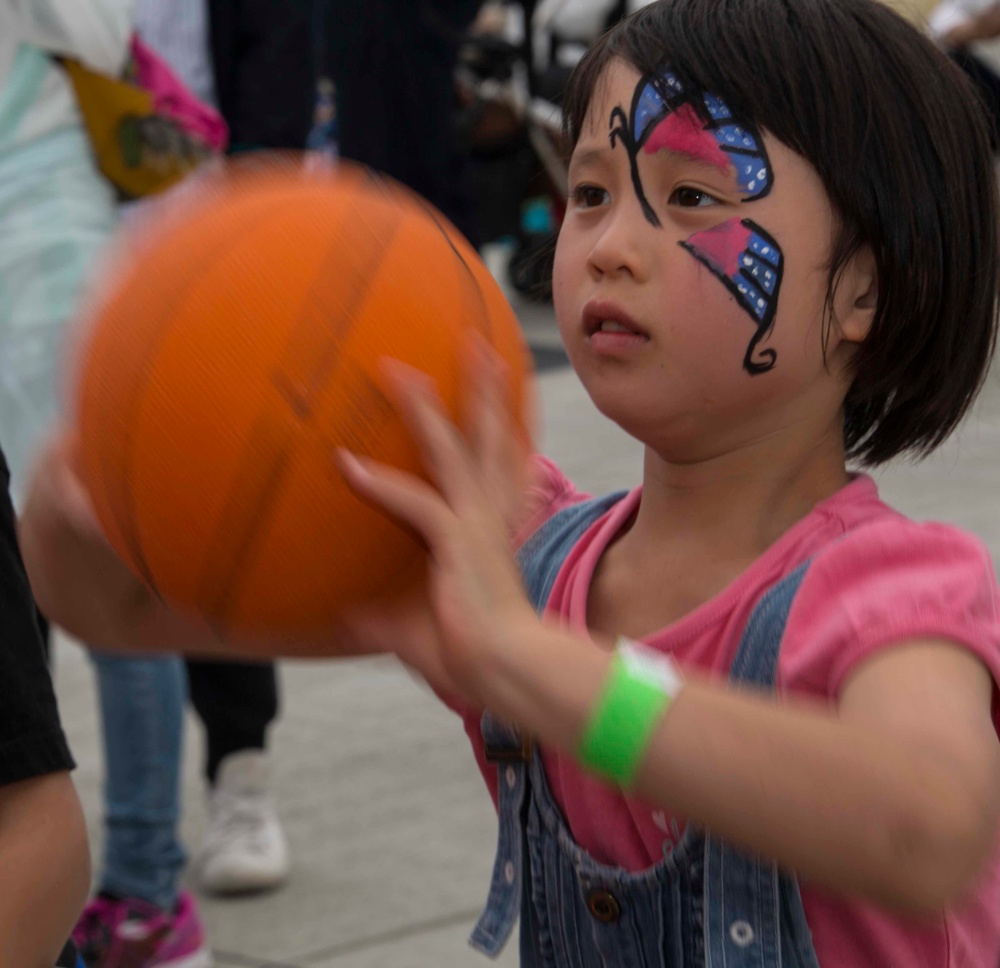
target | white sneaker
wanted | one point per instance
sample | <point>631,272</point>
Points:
<point>244,849</point>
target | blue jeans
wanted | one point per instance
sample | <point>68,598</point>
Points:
<point>142,713</point>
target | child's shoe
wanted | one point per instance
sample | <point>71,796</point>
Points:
<point>131,933</point>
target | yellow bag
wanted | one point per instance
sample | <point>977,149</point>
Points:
<point>144,141</point>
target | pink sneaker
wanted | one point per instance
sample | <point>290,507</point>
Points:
<point>134,934</point>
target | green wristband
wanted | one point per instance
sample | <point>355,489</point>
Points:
<point>638,690</point>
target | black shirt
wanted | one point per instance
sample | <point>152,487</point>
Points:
<point>31,738</point>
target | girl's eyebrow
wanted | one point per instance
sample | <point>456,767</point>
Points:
<point>588,156</point>
<point>678,150</point>
<point>692,156</point>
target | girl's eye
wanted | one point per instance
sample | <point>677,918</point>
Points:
<point>589,196</point>
<point>692,198</point>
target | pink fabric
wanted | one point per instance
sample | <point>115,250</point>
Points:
<point>889,580</point>
<point>172,98</point>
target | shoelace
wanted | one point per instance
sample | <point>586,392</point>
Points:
<point>235,818</point>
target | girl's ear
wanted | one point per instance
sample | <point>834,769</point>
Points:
<point>856,297</point>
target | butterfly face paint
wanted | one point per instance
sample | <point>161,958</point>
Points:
<point>739,253</point>
<point>663,117</point>
<point>748,262</point>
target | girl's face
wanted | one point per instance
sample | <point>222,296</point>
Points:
<point>691,273</point>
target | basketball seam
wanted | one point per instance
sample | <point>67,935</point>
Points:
<point>484,320</point>
<point>127,519</point>
<point>226,571</point>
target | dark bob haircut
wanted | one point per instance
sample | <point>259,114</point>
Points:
<point>900,141</point>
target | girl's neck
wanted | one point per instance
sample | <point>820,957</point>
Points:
<point>734,506</point>
<point>699,526</point>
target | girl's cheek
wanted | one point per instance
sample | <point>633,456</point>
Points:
<point>568,269</point>
<point>706,316</point>
<point>746,262</point>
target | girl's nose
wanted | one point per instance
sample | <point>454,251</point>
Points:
<point>622,247</point>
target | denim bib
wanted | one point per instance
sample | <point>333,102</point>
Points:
<point>705,905</point>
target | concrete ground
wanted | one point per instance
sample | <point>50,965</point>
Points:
<point>390,827</point>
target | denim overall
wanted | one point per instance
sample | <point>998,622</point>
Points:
<point>704,905</point>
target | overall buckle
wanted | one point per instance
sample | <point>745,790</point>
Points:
<point>497,753</point>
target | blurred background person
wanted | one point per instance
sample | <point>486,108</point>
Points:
<point>263,71</point>
<point>393,64</point>
<point>46,247</point>
<point>968,30</point>
<point>264,81</point>
<point>56,210</point>
<point>250,59</point>
<point>57,214</point>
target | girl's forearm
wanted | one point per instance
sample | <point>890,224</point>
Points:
<point>845,805</point>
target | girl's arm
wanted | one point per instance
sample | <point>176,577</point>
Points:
<point>82,586</point>
<point>79,583</point>
<point>96,32</point>
<point>44,869</point>
<point>894,795</point>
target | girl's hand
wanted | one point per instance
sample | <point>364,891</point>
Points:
<point>58,505</point>
<point>78,580</point>
<point>466,517</point>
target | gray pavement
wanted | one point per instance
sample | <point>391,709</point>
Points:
<point>390,827</point>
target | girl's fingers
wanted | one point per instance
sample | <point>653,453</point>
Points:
<point>492,402</point>
<point>443,450</point>
<point>484,473</point>
<point>531,409</point>
<point>500,447</point>
<point>404,496</point>
<point>481,391</point>
<point>503,442</point>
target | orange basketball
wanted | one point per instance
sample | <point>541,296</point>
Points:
<point>236,351</point>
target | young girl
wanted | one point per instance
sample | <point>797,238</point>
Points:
<point>781,254</point>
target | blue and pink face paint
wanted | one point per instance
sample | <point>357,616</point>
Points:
<point>749,263</point>
<point>741,254</point>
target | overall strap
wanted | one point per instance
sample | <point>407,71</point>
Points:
<point>744,901</point>
<point>756,660</point>
<point>539,559</point>
<point>543,554</point>
<point>21,90</point>
<point>503,904</point>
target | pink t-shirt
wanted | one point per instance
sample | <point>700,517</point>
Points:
<point>890,580</point>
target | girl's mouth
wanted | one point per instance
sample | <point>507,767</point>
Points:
<point>610,330</point>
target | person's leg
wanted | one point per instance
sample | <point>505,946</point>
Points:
<point>56,215</point>
<point>244,848</point>
<point>396,97</point>
<point>236,702</point>
<point>142,705</point>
